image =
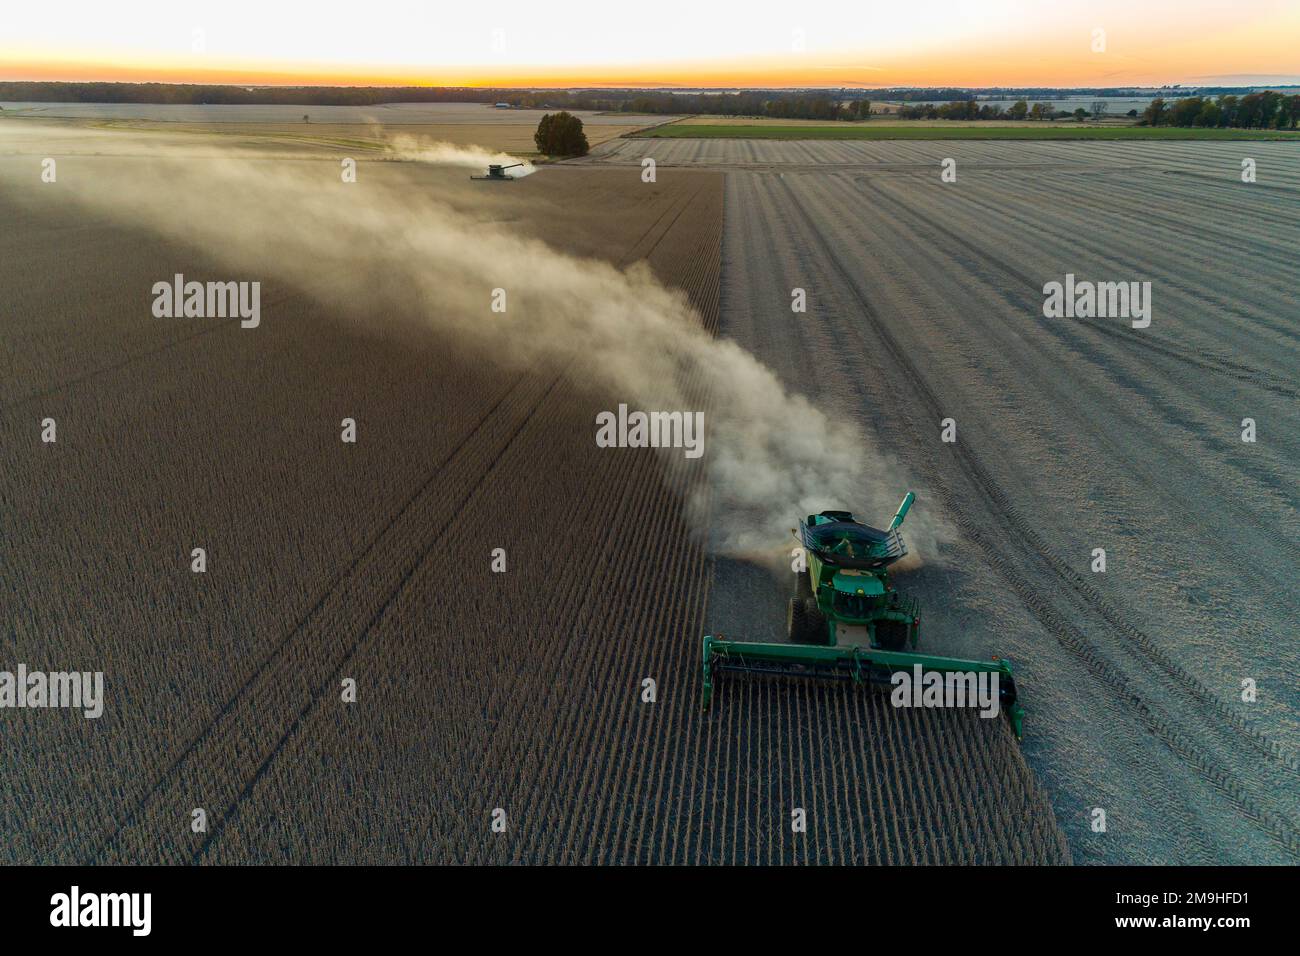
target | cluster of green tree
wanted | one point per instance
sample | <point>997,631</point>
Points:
<point>778,104</point>
<point>971,110</point>
<point>922,96</point>
<point>1285,90</point>
<point>783,104</point>
<point>815,107</point>
<point>560,134</point>
<point>1043,93</point>
<point>1265,110</point>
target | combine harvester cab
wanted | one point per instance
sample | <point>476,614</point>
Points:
<point>846,620</point>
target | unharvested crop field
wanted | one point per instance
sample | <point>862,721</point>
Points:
<point>925,302</point>
<point>475,690</point>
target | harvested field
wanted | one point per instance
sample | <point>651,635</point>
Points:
<point>475,690</point>
<point>1201,161</point>
<point>946,130</point>
<point>705,119</point>
<point>926,302</point>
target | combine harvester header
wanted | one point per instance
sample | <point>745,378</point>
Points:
<point>846,620</point>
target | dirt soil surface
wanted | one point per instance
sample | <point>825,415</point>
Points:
<point>477,691</point>
<point>926,303</point>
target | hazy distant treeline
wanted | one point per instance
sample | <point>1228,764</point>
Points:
<point>969,109</point>
<point>778,103</point>
<point>1268,109</point>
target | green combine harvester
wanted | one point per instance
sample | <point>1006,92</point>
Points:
<point>846,621</point>
<point>497,173</point>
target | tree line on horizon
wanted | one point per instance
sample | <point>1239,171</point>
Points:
<point>972,110</point>
<point>782,104</point>
<point>1267,109</point>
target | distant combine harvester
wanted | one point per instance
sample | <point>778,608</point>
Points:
<point>497,172</point>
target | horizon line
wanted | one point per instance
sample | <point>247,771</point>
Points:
<point>666,87</point>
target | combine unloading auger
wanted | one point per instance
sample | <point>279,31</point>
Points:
<point>497,172</point>
<point>846,621</point>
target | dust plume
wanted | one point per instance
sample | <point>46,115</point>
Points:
<point>411,149</point>
<point>772,455</point>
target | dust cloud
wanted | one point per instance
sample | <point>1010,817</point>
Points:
<point>412,149</point>
<point>772,456</point>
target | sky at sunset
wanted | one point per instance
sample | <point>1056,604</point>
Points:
<point>824,43</point>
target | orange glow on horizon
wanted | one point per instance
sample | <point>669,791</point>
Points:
<point>1259,48</point>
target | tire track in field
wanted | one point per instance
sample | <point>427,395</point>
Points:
<point>1031,222</point>
<point>366,630</point>
<point>839,365</point>
<point>1205,415</point>
<point>280,649</point>
<point>1265,528</point>
<point>233,811</point>
<point>119,365</point>
<point>1188,354</point>
<point>521,749</point>
<point>1200,358</point>
<point>1114,616</point>
<point>1219,181</point>
<point>874,786</point>
<point>1214,236</point>
<point>989,489</point>
<point>273,657</point>
<point>1254,306</point>
<point>1017,529</point>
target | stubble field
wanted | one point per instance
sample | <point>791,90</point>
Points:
<point>925,303</point>
<point>476,691</point>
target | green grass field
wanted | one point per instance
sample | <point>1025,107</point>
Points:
<point>1055,131</point>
